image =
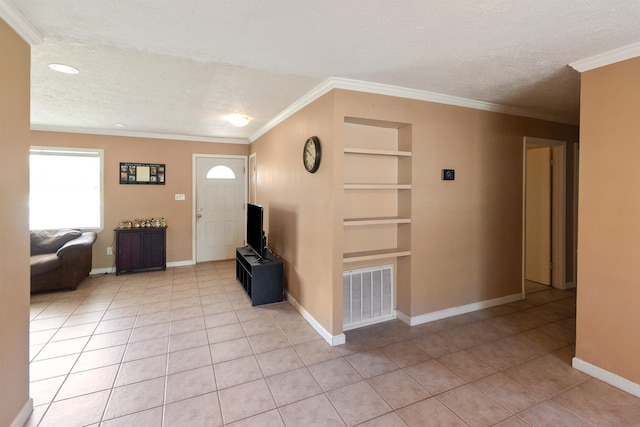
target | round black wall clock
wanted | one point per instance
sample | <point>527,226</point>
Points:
<point>311,154</point>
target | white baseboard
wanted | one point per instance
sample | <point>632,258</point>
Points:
<point>455,311</point>
<point>369,322</point>
<point>109,270</point>
<point>331,339</point>
<point>606,376</point>
<point>181,263</point>
<point>23,415</point>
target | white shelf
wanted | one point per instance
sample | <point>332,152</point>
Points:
<point>377,186</point>
<point>375,159</point>
<point>352,222</point>
<point>378,152</point>
<point>377,254</point>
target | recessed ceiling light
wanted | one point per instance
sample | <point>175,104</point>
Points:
<point>238,120</point>
<point>67,69</point>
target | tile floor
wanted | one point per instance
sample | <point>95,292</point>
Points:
<point>185,348</point>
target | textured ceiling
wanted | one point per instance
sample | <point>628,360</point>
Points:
<point>178,67</point>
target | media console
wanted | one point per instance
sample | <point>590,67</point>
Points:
<point>262,278</point>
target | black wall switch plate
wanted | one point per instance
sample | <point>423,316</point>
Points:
<point>448,174</point>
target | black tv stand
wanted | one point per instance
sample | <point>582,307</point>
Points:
<point>261,278</point>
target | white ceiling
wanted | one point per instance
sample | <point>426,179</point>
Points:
<point>177,67</point>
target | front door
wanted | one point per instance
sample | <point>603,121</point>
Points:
<point>220,207</point>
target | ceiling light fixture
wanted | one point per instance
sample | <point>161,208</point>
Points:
<point>67,69</point>
<point>238,120</point>
<point>120,125</point>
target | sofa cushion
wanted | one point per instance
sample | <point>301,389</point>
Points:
<point>44,263</point>
<point>49,241</point>
<point>81,243</point>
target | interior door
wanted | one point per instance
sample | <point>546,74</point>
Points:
<point>220,207</point>
<point>538,216</point>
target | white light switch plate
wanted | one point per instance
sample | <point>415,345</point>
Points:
<point>179,196</point>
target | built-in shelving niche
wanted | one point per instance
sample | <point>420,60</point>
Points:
<point>377,196</point>
<point>377,185</point>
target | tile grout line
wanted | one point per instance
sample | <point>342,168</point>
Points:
<point>408,339</point>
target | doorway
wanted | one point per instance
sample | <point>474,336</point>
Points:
<point>544,213</point>
<point>538,264</point>
<point>253,179</point>
<point>219,200</point>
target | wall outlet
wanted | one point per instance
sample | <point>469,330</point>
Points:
<point>109,250</point>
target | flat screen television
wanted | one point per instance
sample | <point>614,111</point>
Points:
<point>255,232</point>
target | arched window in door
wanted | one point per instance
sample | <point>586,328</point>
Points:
<point>221,172</point>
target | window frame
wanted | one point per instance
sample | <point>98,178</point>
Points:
<point>79,152</point>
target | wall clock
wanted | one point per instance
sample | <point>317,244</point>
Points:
<point>311,154</point>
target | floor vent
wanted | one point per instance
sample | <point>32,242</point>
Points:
<point>368,296</point>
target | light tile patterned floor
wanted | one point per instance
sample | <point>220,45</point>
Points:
<point>185,348</point>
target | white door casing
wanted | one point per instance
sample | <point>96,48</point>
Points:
<point>219,207</point>
<point>558,208</point>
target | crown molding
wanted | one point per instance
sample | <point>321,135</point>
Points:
<point>19,23</point>
<point>607,58</point>
<point>401,92</point>
<point>315,93</point>
<point>439,98</point>
<point>306,99</point>
<point>133,134</point>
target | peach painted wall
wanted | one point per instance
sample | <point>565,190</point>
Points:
<point>15,60</point>
<point>123,202</point>
<point>466,235</point>
<point>299,206</point>
<point>608,312</point>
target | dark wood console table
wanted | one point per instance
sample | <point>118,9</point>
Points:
<point>140,249</point>
<point>262,279</point>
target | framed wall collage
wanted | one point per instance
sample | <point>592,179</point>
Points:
<point>142,173</point>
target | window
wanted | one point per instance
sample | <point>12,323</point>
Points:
<point>221,172</point>
<point>65,188</point>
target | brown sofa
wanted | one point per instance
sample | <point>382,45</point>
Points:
<point>60,259</point>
